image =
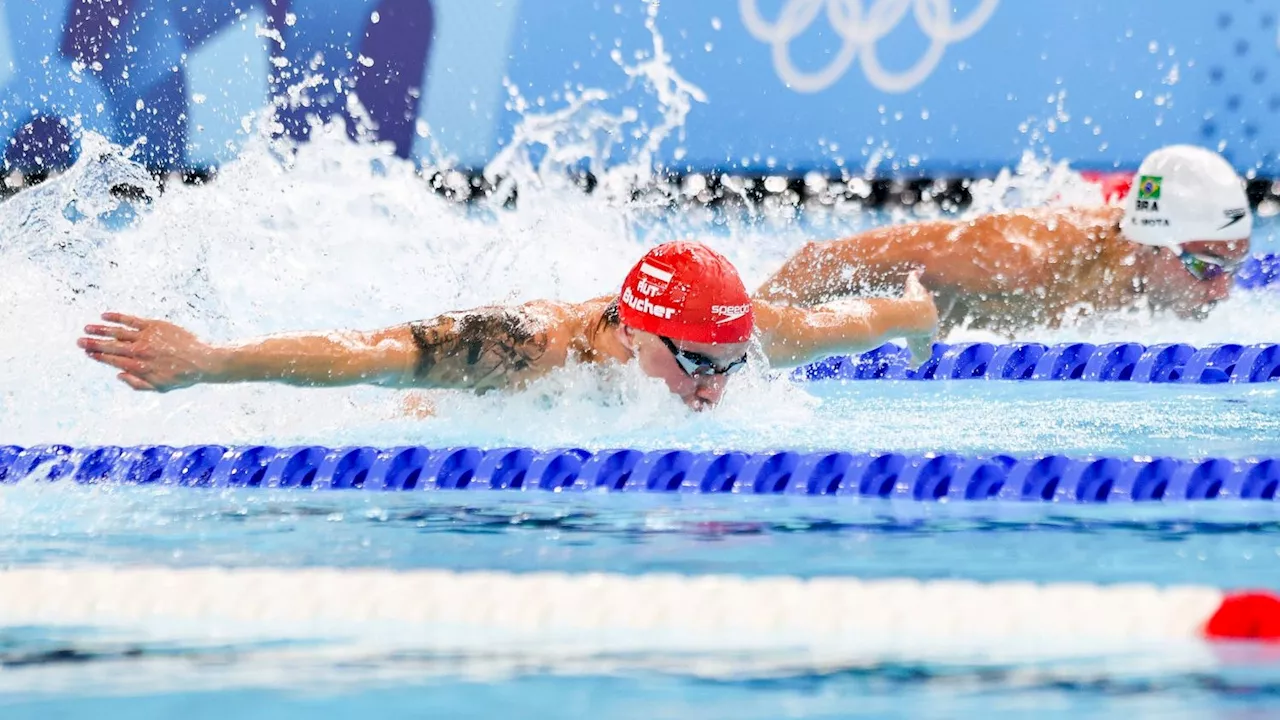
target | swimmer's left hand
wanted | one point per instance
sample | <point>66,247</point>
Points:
<point>925,315</point>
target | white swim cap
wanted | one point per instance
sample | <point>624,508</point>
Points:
<point>1184,193</point>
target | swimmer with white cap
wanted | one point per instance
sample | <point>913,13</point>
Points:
<point>1184,227</point>
<point>682,315</point>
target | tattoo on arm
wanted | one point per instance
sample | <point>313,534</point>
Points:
<point>481,349</point>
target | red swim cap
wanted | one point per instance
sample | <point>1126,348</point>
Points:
<point>687,291</point>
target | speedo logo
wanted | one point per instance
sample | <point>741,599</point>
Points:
<point>730,312</point>
<point>645,305</point>
<point>1234,215</point>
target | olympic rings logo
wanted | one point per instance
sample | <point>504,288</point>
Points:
<point>859,33</point>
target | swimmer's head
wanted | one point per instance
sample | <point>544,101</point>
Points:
<point>1189,204</point>
<point>687,317</point>
<point>1185,194</point>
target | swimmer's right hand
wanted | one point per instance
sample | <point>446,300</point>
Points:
<point>151,355</point>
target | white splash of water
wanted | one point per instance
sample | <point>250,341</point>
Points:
<point>1035,182</point>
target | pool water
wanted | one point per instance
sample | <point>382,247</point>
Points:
<point>1222,543</point>
<point>890,691</point>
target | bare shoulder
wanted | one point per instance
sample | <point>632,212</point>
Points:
<point>494,347</point>
<point>1045,227</point>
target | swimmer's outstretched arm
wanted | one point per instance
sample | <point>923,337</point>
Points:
<point>483,349</point>
<point>793,335</point>
<point>825,270</point>
<point>987,254</point>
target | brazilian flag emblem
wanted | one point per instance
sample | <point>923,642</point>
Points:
<point>1149,187</point>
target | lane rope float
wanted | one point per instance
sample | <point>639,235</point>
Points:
<point>941,477</point>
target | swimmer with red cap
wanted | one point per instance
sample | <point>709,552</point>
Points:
<point>683,316</point>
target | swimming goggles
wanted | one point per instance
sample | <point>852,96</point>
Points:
<point>1206,267</point>
<point>698,364</point>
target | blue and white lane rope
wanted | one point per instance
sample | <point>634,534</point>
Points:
<point>892,476</point>
<point>1258,271</point>
<point>1110,362</point>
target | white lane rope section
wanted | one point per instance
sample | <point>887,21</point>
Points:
<point>606,610</point>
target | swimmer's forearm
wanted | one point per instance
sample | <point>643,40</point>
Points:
<point>900,317</point>
<point>482,349</point>
<point>313,360</point>
<point>808,335</point>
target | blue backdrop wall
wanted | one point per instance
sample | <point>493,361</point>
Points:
<point>951,86</point>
